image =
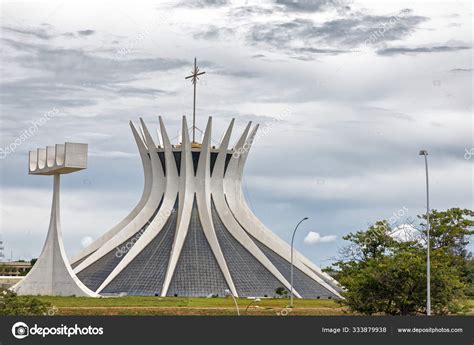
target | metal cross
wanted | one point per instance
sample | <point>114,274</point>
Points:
<point>195,77</point>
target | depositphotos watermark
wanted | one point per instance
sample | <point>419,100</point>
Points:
<point>27,133</point>
<point>386,26</point>
<point>469,153</point>
<point>266,128</point>
<point>125,248</point>
<point>284,312</point>
<point>386,227</point>
<point>21,330</point>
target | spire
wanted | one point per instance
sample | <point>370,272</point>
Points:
<point>195,77</point>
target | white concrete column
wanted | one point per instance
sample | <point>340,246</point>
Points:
<point>52,273</point>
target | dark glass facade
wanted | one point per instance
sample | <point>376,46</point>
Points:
<point>197,272</point>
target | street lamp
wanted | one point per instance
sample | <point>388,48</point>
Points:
<point>428,274</point>
<point>229,293</point>
<point>292,240</point>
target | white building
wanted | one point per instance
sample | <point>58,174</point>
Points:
<point>192,233</point>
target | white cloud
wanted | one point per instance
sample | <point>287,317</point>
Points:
<point>314,238</point>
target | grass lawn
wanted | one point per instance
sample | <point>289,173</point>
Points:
<point>131,305</point>
<point>168,306</point>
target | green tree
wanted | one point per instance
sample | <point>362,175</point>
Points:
<point>281,291</point>
<point>469,268</point>
<point>383,275</point>
<point>11,304</point>
<point>450,231</point>
<point>373,243</point>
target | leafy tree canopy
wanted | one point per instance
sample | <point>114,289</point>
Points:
<point>385,275</point>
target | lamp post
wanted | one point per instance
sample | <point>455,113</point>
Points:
<point>428,244</point>
<point>229,293</point>
<point>292,240</point>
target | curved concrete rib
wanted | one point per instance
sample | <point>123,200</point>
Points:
<point>143,217</point>
<point>203,198</point>
<point>186,199</point>
<point>243,214</point>
<point>158,173</point>
<point>217,190</point>
<point>167,206</point>
<point>148,179</point>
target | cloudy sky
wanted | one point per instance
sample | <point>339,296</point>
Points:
<point>362,85</point>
